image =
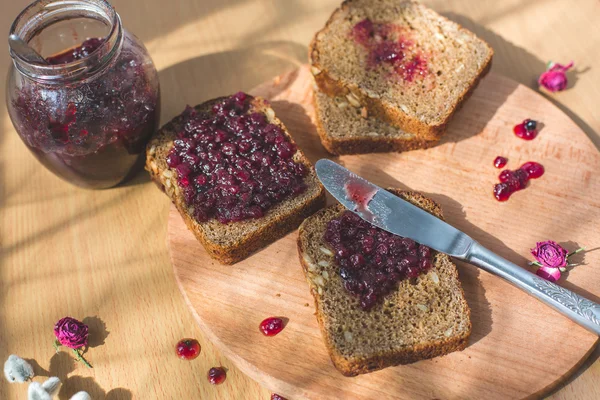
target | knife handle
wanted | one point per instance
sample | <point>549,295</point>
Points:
<point>579,309</point>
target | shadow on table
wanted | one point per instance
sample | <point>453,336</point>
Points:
<point>506,52</point>
<point>77,383</point>
<point>301,127</point>
<point>62,364</point>
<point>175,15</point>
<point>219,74</point>
<point>80,216</point>
<point>577,370</point>
<point>97,331</point>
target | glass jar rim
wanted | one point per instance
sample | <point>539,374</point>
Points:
<point>43,13</point>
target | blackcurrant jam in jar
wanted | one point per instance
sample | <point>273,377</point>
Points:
<point>89,110</point>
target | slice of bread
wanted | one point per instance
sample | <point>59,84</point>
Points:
<point>452,61</point>
<point>426,317</point>
<point>344,129</point>
<point>232,242</point>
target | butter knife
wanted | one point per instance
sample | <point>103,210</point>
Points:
<point>391,213</point>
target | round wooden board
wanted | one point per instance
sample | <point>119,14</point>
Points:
<point>519,348</point>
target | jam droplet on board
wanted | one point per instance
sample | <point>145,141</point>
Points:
<point>500,162</point>
<point>513,181</point>
<point>271,326</point>
<point>526,130</point>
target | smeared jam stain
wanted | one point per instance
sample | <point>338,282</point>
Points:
<point>360,194</point>
<point>389,44</point>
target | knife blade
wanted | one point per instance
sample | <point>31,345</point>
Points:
<point>397,216</point>
<point>405,220</point>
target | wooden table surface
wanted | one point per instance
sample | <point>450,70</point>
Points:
<point>101,255</point>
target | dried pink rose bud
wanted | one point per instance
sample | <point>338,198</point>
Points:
<point>71,333</point>
<point>550,254</point>
<point>555,77</point>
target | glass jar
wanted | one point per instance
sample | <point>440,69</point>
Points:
<point>88,114</point>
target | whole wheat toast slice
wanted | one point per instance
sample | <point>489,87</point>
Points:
<point>450,60</point>
<point>232,242</point>
<point>344,129</point>
<point>425,317</point>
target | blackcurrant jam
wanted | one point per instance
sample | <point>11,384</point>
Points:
<point>372,261</point>
<point>233,164</point>
<point>88,113</point>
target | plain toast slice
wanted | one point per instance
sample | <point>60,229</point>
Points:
<point>401,60</point>
<point>234,241</point>
<point>425,317</point>
<point>344,129</point>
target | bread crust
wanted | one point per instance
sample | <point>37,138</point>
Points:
<point>356,366</point>
<point>366,144</point>
<point>337,87</point>
<point>278,225</point>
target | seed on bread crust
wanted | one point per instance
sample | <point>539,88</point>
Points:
<point>348,336</point>
<point>422,307</point>
<point>353,100</point>
<point>326,251</point>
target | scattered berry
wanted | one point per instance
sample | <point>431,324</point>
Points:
<point>526,130</point>
<point>275,396</point>
<point>187,349</point>
<point>530,125</point>
<point>500,162</point>
<point>217,375</point>
<point>271,326</point>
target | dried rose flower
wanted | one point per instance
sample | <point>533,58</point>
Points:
<point>72,333</point>
<point>550,254</point>
<point>555,77</point>
<point>551,259</point>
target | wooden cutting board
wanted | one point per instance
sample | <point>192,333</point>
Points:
<point>519,348</point>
